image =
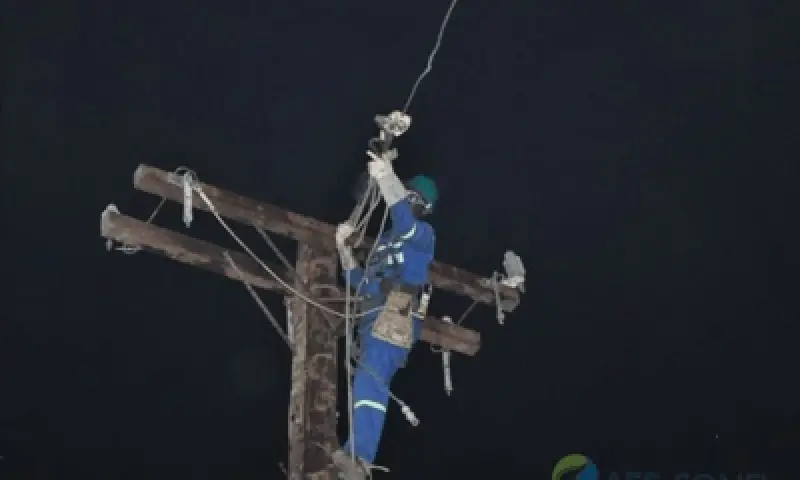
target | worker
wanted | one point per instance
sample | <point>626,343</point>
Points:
<point>391,285</point>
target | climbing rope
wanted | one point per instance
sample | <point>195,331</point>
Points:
<point>260,303</point>
<point>213,209</point>
<point>406,410</point>
<point>349,330</point>
<point>278,253</point>
<point>432,55</point>
<point>409,414</point>
<point>359,220</point>
<point>362,226</point>
<point>348,352</point>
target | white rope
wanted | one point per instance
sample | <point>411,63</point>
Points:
<point>432,55</point>
<point>361,227</point>
<point>263,307</point>
<point>360,222</point>
<point>407,412</point>
<point>372,197</point>
<point>348,347</point>
<point>347,315</point>
<point>278,253</point>
<point>275,276</point>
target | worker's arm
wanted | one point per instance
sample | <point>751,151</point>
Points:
<point>404,223</point>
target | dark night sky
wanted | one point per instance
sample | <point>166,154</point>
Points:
<point>613,147</point>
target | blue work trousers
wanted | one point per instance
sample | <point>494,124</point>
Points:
<point>371,394</point>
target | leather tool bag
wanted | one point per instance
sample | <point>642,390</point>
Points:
<point>394,323</point>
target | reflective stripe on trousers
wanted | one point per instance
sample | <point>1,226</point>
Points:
<point>370,395</point>
<point>370,404</point>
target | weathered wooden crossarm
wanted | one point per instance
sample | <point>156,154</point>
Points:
<point>307,230</point>
<point>207,256</point>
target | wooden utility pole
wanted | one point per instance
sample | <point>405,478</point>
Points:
<point>312,401</point>
<point>313,332</point>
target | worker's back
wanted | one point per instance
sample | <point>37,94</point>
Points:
<point>400,261</point>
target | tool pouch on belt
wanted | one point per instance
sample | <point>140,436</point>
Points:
<point>394,324</point>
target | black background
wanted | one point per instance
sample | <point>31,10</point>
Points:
<point>613,146</point>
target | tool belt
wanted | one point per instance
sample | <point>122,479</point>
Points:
<point>395,323</point>
<point>388,285</point>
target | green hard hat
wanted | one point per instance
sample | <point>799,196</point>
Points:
<point>426,187</point>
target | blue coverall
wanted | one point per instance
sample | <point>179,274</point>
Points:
<point>403,255</point>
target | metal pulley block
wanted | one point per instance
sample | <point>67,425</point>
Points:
<point>395,124</point>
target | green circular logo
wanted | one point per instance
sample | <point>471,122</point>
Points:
<point>575,466</point>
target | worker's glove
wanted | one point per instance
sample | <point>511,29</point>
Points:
<point>343,232</point>
<point>379,167</point>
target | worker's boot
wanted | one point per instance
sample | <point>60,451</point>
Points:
<point>348,467</point>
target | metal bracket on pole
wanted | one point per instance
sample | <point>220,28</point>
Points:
<point>448,379</point>
<point>187,181</point>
